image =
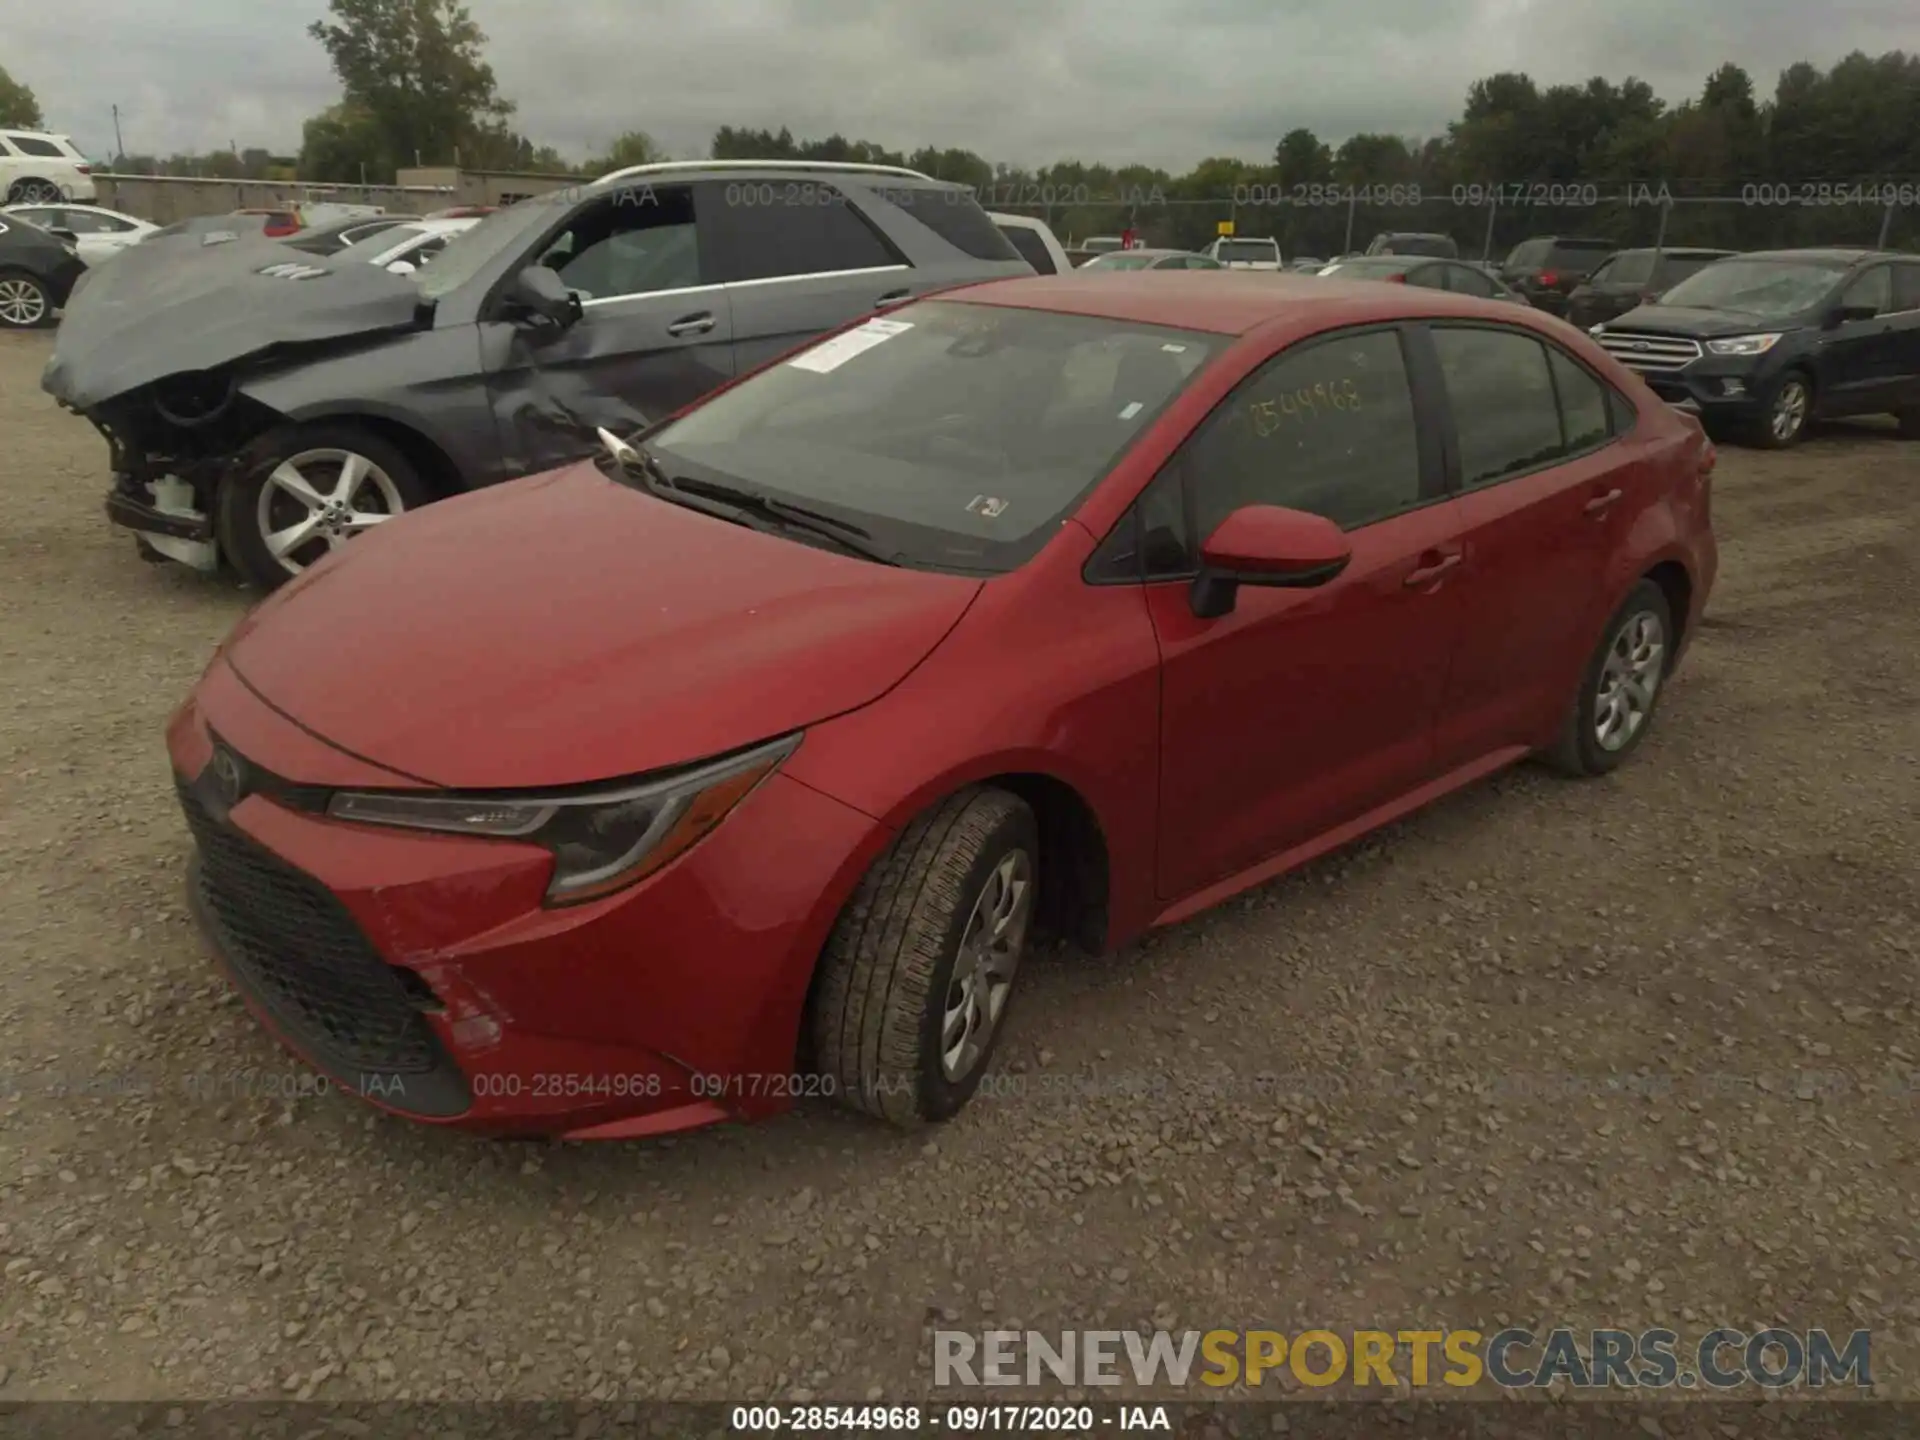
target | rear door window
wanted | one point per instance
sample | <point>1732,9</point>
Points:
<point>1032,249</point>
<point>1906,287</point>
<point>956,217</point>
<point>776,230</point>
<point>33,145</point>
<point>1584,412</point>
<point>1505,411</point>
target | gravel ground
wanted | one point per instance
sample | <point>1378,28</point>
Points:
<point>1372,1094</point>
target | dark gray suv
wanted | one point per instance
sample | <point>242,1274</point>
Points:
<point>268,405</point>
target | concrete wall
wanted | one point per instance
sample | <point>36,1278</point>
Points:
<point>164,199</point>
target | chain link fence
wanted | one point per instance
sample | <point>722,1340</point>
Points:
<point>1485,222</point>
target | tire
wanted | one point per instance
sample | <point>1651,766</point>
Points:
<point>25,301</point>
<point>35,192</point>
<point>1580,749</point>
<point>251,506</point>
<point>892,974</point>
<point>1775,431</point>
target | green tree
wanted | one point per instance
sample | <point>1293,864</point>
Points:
<point>416,68</point>
<point>17,105</point>
<point>342,144</point>
<point>636,147</point>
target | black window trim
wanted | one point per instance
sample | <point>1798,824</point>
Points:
<point>1450,433</point>
<point>1433,474</point>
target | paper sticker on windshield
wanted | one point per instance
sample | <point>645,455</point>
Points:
<point>219,237</point>
<point>1132,410</point>
<point>830,355</point>
<point>987,506</point>
<point>1174,349</point>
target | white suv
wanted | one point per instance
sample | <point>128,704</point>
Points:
<point>1245,253</point>
<point>42,169</point>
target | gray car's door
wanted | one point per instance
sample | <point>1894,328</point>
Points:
<point>655,333</point>
<point>799,258</point>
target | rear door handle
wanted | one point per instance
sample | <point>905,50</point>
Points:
<point>893,297</point>
<point>1600,504</point>
<point>692,325</point>
<point>1427,574</point>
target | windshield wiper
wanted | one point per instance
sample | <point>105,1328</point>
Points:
<point>844,533</point>
<point>736,502</point>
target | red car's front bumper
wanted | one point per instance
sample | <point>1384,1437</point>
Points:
<point>423,973</point>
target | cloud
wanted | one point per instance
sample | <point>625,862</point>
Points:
<point>1164,81</point>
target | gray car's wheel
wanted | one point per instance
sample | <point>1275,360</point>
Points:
<point>917,979</point>
<point>1787,411</point>
<point>25,303</point>
<point>35,192</point>
<point>1620,688</point>
<point>304,491</point>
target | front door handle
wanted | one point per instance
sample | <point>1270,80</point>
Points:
<point>692,325</point>
<point>892,297</point>
<point>1600,504</point>
<point>1427,574</point>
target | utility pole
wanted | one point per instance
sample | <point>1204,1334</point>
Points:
<point>119,145</point>
<point>1886,227</point>
<point>1353,199</point>
<point>1493,209</point>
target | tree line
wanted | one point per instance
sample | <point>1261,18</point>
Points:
<point>1830,155</point>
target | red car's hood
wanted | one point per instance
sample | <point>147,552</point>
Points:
<point>565,629</point>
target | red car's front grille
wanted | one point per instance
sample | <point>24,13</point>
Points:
<point>297,951</point>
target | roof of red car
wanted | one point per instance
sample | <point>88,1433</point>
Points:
<point>1225,303</point>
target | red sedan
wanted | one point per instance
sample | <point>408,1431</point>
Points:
<point>742,764</point>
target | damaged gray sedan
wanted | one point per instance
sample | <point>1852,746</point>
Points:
<point>265,405</point>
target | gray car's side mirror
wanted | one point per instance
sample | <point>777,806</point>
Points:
<point>541,293</point>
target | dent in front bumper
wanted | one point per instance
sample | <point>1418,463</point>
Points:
<point>673,1004</point>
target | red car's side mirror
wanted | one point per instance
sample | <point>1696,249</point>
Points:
<point>1267,545</point>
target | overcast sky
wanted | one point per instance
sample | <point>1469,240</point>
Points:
<point>1022,81</point>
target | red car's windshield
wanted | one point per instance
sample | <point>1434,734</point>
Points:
<point>960,434</point>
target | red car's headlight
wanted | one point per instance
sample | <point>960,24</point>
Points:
<point>603,840</point>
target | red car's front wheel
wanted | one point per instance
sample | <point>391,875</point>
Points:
<point>918,976</point>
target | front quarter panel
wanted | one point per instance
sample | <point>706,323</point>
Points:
<point>427,380</point>
<point>1047,675</point>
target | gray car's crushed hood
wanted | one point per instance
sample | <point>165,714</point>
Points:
<point>184,303</point>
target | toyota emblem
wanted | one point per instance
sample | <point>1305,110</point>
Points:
<point>227,772</point>
<point>1641,345</point>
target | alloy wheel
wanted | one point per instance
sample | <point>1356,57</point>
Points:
<point>983,971</point>
<point>1789,409</point>
<point>38,192</point>
<point>318,500</point>
<point>22,302</point>
<point>1629,679</point>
